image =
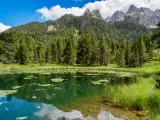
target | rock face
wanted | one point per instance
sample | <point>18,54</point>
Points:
<point>51,28</point>
<point>142,15</point>
<point>93,14</point>
<point>117,16</point>
<point>97,14</point>
<point>52,113</point>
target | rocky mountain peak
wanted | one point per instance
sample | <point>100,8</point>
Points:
<point>87,12</point>
<point>117,16</point>
<point>143,15</point>
<point>97,14</point>
<point>132,8</point>
<point>157,12</point>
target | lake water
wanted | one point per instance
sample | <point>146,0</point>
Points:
<point>33,92</point>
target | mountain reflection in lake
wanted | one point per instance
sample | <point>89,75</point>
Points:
<point>34,91</point>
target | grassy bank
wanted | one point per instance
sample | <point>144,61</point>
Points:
<point>148,68</point>
<point>141,96</point>
<point>138,101</point>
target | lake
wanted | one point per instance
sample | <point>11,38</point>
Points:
<point>25,96</point>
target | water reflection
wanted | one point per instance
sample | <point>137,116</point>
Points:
<point>36,90</point>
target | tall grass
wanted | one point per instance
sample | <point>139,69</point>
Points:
<point>154,105</point>
<point>139,96</point>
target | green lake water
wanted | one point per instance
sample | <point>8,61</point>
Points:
<point>36,91</point>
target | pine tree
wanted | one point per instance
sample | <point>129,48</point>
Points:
<point>41,53</point>
<point>149,45</point>
<point>134,59</point>
<point>127,53</point>
<point>30,43</point>
<point>104,54</point>
<point>113,52</point>
<point>69,50</point>
<point>121,54</point>
<point>54,52</point>
<point>22,53</point>
<point>95,54</point>
<point>60,47</point>
<point>48,54</point>
<point>142,50</point>
<point>84,52</point>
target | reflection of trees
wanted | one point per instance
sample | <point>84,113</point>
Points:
<point>61,93</point>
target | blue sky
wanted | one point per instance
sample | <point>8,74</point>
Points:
<point>16,12</point>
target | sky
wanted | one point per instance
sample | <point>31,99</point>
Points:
<point>18,12</point>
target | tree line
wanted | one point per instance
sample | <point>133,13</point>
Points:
<point>84,49</point>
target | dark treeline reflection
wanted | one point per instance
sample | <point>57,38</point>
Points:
<point>40,88</point>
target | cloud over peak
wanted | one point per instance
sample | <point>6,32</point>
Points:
<point>106,7</point>
<point>57,11</point>
<point>3,27</point>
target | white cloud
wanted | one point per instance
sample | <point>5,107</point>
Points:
<point>3,27</point>
<point>56,12</point>
<point>106,7</point>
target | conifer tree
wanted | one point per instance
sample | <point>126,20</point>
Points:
<point>30,43</point>
<point>95,54</point>
<point>69,53</point>
<point>48,54</point>
<point>127,53</point>
<point>22,53</point>
<point>54,52</point>
<point>142,50</point>
<point>41,53</point>
<point>84,50</point>
<point>104,54</point>
<point>113,52</point>
<point>121,54</point>
<point>149,46</point>
<point>60,47</point>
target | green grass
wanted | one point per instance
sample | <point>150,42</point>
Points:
<point>141,96</point>
<point>150,67</point>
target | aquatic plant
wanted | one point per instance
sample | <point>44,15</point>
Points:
<point>99,82</point>
<point>57,80</point>
<point>45,85</point>
<point>16,87</point>
<point>6,92</point>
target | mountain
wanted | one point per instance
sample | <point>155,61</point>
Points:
<point>93,14</point>
<point>91,23</point>
<point>143,16</point>
<point>30,40</point>
<point>117,16</point>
